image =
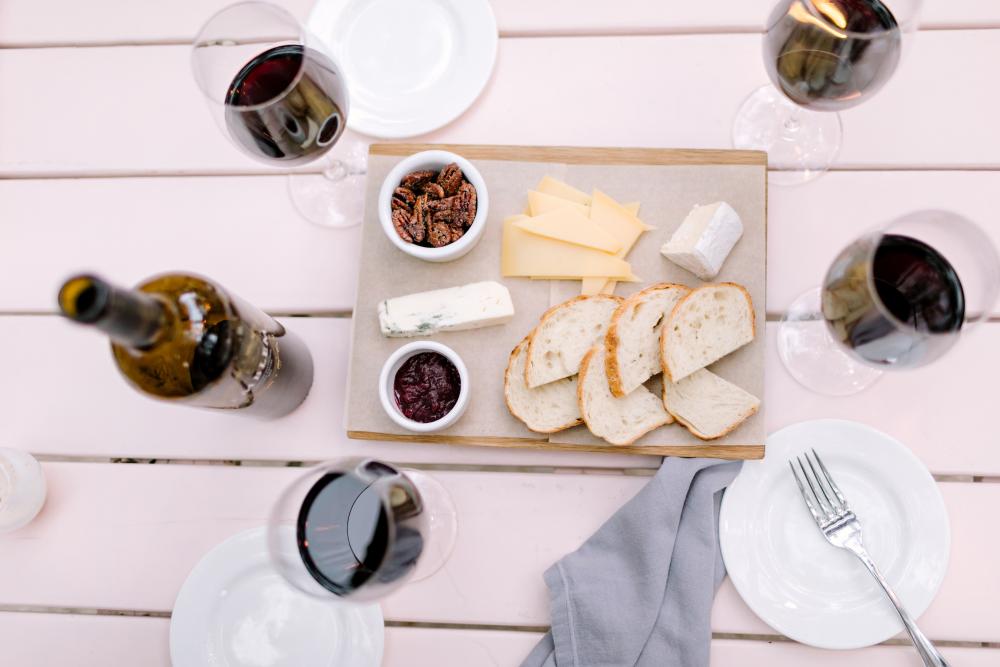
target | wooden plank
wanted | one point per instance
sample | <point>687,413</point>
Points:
<point>121,522</point>
<point>165,115</point>
<point>82,407</point>
<point>128,228</point>
<point>25,22</point>
<point>88,410</point>
<point>585,155</point>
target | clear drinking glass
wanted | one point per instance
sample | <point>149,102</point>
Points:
<point>821,56</point>
<point>282,100</point>
<point>898,297</point>
<point>359,529</point>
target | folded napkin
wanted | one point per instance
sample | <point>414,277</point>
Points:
<point>639,592</point>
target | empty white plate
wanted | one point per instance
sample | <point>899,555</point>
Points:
<point>235,610</point>
<point>411,66</point>
<point>801,585</point>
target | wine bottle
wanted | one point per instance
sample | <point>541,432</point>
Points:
<point>182,338</point>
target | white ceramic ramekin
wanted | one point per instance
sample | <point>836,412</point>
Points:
<point>387,379</point>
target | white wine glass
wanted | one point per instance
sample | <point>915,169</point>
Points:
<point>898,297</point>
<point>282,99</point>
<point>358,529</point>
<point>822,56</point>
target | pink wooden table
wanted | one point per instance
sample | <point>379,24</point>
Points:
<point>110,162</point>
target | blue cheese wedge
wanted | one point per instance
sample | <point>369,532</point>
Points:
<point>704,240</point>
<point>471,306</point>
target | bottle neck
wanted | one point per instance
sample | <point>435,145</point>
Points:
<point>130,317</point>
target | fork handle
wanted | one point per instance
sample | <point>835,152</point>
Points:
<point>929,654</point>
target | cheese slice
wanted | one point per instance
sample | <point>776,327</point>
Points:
<point>556,188</point>
<point>620,222</point>
<point>471,306</point>
<point>529,255</point>
<point>540,203</point>
<point>566,224</point>
<point>632,207</point>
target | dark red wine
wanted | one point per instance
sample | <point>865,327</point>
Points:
<point>288,104</point>
<point>829,55</point>
<point>355,532</point>
<point>918,300</point>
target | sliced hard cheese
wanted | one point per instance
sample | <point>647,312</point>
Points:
<point>557,188</point>
<point>571,226</point>
<point>623,225</point>
<point>529,255</point>
<point>539,203</point>
<point>632,207</point>
<point>471,306</point>
<point>704,240</point>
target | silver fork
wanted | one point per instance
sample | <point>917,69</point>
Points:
<point>841,528</point>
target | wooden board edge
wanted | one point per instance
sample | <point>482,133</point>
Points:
<point>734,452</point>
<point>584,155</point>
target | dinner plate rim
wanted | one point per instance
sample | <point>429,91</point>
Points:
<point>323,20</point>
<point>731,507</point>
<point>240,552</point>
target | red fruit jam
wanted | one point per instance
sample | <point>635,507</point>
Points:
<point>426,387</point>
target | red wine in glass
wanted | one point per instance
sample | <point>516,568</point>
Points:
<point>287,105</point>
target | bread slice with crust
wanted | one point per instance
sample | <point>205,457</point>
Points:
<point>704,326</point>
<point>619,421</point>
<point>632,343</point>
<point>707,405</point>
<point>546,409</point>
<point>564,335</point>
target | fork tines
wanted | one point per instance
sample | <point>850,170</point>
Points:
<point>823,498</point>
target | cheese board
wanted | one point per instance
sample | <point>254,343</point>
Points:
<point>558,226</point>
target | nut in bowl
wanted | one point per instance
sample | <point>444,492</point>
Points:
<point>424,386</point>
<point>433,206</point>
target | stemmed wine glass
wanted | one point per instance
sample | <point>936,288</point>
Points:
<point>358,529</point>
<point>822,56</point>
<point>898,297</point>
<point>282,100</point>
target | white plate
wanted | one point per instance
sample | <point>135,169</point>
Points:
<point>797,582</point>
<point>235,610</point>
<point>411,66</point>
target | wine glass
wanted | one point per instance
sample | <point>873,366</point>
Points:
<point>360,528</point>
<point>821,56</point>
<point>898,297</point>
<point>282,100</point>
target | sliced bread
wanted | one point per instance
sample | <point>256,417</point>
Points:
<point>633,339</point>
<point>707,405</point>
<point>620,421</point>
<point>546,409</point>
<point>705,326</point>
<point>564,335</point>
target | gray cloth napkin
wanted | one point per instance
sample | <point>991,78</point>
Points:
<point>639,592</point>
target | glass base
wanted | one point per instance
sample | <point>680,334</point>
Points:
<point>811,355</point>
<point>801,144</point>
<point>442,525</point>
<point>333,199</point>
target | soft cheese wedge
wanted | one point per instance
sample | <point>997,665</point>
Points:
<point>546,409</point>
<point>632,343</point>
<point>529,255</point>
<point>471,306</point>
<point>704,240</point>
<point>705,326</point>
<point>571,226</point>
<point>564,335</point>
<point>619,421</point>
<point>707,405</point>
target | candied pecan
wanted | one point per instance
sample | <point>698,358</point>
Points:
<point>421,219</point>
<point>441,204</point>
<point>439,233</point>
<point>417,178</point>
<point>465,206</point>
<point>405,196</point>
<point>432,190</point>
<point>401,220</point>
<point>450,179</point>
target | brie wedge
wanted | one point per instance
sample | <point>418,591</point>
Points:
<point>471,306</point>
<point>704,240</point>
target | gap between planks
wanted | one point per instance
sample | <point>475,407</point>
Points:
<point>135,613</point>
